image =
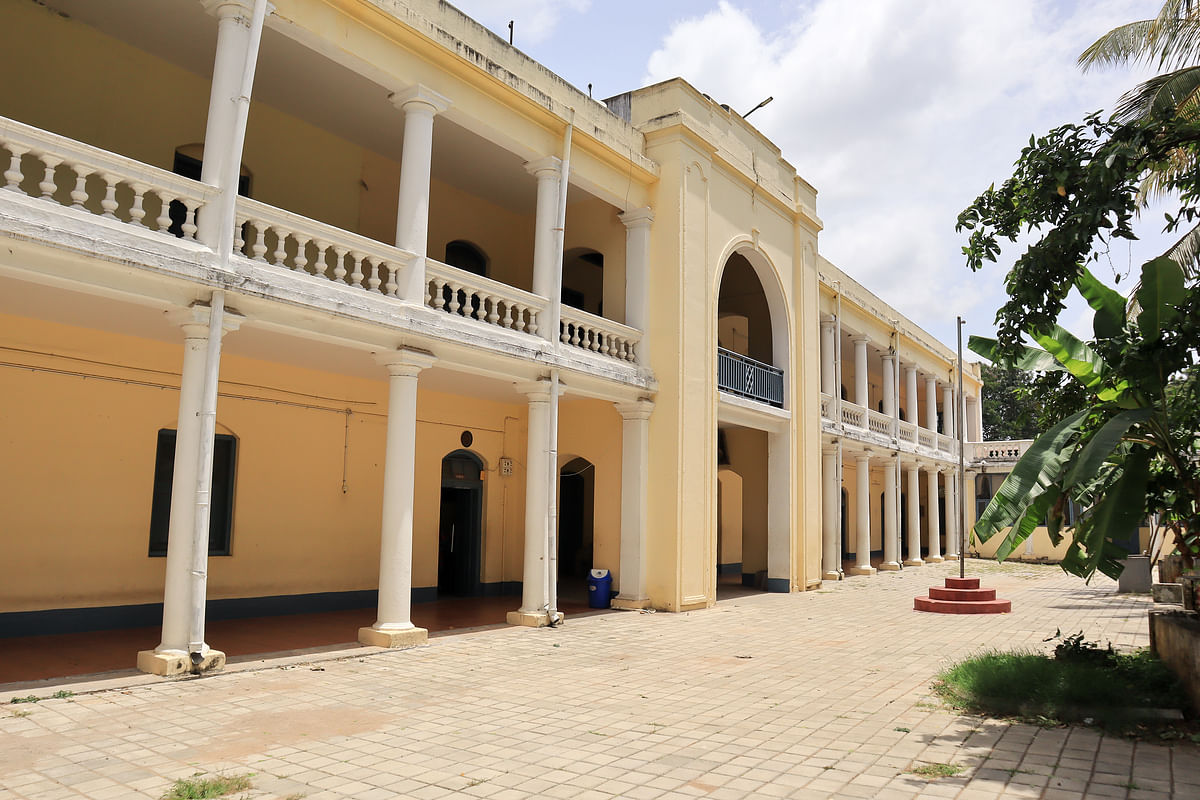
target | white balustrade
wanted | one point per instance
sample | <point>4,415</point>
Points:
<point>879,423</point>
<point>854,415</point>
<point>946,444</point>
<point>293,242</point>
<point>1008,450</point>
<point>466,294</point>
<point>826,406</point>
<point>908,432</point>
<point>61,170</point>
<point>597,334</point>
<point>926,438</point>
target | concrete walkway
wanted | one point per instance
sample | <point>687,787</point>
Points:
<point>822,694</point>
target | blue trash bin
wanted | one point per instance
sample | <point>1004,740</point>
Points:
<point>599,589</point>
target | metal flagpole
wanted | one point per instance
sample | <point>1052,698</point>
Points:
<point>960,427</point>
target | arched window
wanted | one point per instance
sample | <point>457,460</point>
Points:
<point>466,256</point>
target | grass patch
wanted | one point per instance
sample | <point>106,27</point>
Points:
<point>1080,683</point>
<point>937,770</point>
<point>205,788</point>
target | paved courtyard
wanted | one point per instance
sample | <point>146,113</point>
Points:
<point>822,694</point>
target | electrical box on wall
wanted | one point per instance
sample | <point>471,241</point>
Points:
<point>506,466</point>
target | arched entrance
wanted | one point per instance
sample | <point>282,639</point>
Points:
<point>753,351</point>
<point>460,526</point>
<point>576,515</point>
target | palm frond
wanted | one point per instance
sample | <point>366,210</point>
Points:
<point>1128,43</point>
<point>1186,253</point>
<point>1160,182</point>
<point>1170,91</point>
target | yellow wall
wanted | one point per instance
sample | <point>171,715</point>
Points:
<point>747,451</point>
<point>729,509</point>
<point>77,503</point>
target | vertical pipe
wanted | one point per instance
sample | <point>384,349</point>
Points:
<point>962,478</point>
<point>837,405</point>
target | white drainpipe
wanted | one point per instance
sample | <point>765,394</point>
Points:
<point>208,405</point>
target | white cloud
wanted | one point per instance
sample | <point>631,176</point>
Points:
<point>534,20</point>
<point>900,113</point>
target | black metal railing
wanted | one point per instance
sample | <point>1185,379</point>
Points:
<point>746,377</point>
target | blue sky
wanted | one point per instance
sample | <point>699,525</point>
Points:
<point>899,111</point>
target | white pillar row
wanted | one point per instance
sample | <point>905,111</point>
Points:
<point>635,468</point>
<point>831,551</point>
<point>862,516</point>
<point>913,510</point>
<point>861,396</point>
<point>828,372</point>
<point>911,406</point>
<point>951,512</point>
<point>974,420</point>
<point>931,403</point>
<point>393,624</point>
<point>948,411</point>
<point>935,532</point>
<point>545,242</point>
<point>535,593</point>
<point>171,655</point>
<point>233,44</point>
<point>637,274</point>
<point>419,104</point>
<point>891,531</point>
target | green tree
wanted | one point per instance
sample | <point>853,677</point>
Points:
<point>1131,450</point>
<point>1022,405</point>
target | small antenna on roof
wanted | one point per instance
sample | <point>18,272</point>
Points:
<point>589,91</point>
<point>510,30</point>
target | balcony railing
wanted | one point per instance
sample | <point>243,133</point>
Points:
<point>746,377</point>
<point>865,421</point>
<point>63,171</point>
<point>466,294</point>
<point>1009,450</point>
<point>599,335</point>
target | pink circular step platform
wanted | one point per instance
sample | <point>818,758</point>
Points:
<point>962,596</point>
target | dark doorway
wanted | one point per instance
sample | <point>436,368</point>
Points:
<point>460,527</point>
<point>576,509</point>
<point>846,549</point>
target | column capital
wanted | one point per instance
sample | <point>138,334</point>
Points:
<point>194,320</point>
<point>537,391</point>
<point>241,10</point>
<point>636,409</point>
<point>637,217</point>
<point>829,450</point>
<point>862,456</point>
<point>860,338</point>
<point>888,356</point>
<point>550,166</point>
<point>418,99</point>
<point>405,362</point>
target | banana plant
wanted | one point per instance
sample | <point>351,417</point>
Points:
<point>1132,450</point>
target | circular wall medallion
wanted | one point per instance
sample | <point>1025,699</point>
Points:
<point>466,438</point>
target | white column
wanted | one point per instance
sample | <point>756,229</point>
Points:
<point>914,513</point>
<point>860,372</point>
<point>831,496</point>
<point>891,533</point>
<point>637,275</point>
<point>951,512</point>
<point>393,627</point>
<point>419,105</point>
<point>545,240</point>
<point>828,372</point>
<point>911,406</point>
<point>935,525</point>
<point>635,476</point>
<point>233,43</point>
<point>862,517</point>
<point>171,655</point>
<point>535,593</point>
<point>974,420</point>
<point>889,383</point>
<point>931,403</point>
<point>948,411</point>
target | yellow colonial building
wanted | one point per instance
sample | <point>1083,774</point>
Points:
<point>327,303</point>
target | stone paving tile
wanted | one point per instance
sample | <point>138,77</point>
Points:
<point>822,694</point>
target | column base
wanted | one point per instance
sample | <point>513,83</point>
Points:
<point>857,570</point>
<point>408,637</point>
<point>913,562</point>
<point>934,559</point>
<point>889,566</point>
<point>628,604</point>
<point>175,662</point>
<point>831,575</point>
<point>533,619</point>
